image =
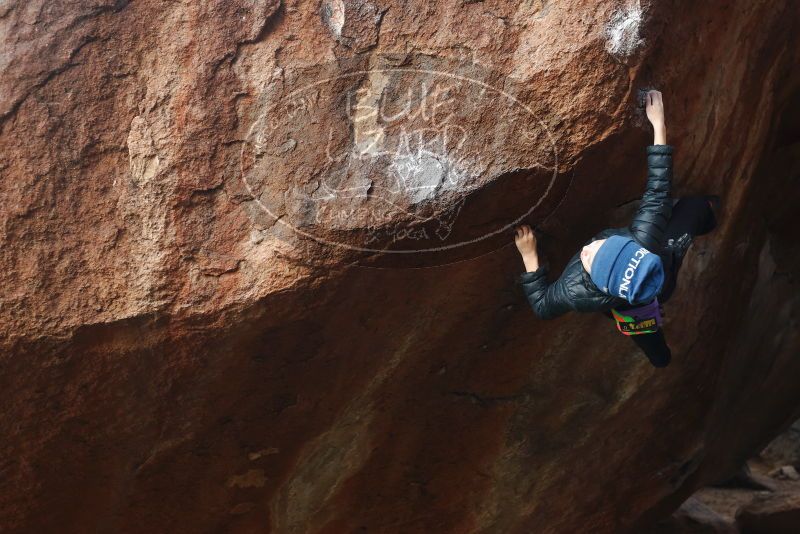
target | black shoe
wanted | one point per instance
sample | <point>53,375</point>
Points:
<point>715,203</point>
<point>716,209</point>
<point>679,246</point>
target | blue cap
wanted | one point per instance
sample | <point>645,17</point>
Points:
<point>623,268</point>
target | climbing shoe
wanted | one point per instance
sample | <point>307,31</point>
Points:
<point>714,202</point>
<point>680,245</point>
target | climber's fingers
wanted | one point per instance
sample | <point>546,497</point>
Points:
<point>654,107</point>
<point>522,232</point>
<point>655,97</point>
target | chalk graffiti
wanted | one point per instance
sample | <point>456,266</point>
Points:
<point>389,154</point>
<point>622,31</point>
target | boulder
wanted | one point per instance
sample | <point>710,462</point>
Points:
<point>694,517</point>
<point>784,449</point>
<point>257,270</point>
<point>785,472</point>
<point>746,478</point>
<point>777,513</point>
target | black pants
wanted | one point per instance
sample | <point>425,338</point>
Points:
<point>692,216</point>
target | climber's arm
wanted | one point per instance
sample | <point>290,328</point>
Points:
<point>650,222</point>
<point>547,300</point>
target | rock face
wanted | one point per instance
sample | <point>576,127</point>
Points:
<point>762,497</point>
<point>785,449</point>
<point>772,514</point>
<point>246,289</point>
<point>694,517</point>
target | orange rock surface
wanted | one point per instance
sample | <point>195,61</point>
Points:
<point>196,335</point>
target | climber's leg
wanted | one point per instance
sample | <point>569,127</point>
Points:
<point>654,347</point>
<point>691,217</point>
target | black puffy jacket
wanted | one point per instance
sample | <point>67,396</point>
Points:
<point>574,289</point>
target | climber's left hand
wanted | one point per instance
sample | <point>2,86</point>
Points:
<point>525,239</point>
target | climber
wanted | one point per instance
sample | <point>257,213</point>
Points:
<point>627,273</point>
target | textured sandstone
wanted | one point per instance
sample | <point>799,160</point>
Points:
<point>778,513</point>
<point>173,359</point>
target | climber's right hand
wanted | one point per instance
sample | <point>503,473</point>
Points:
<point>654,106</point>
